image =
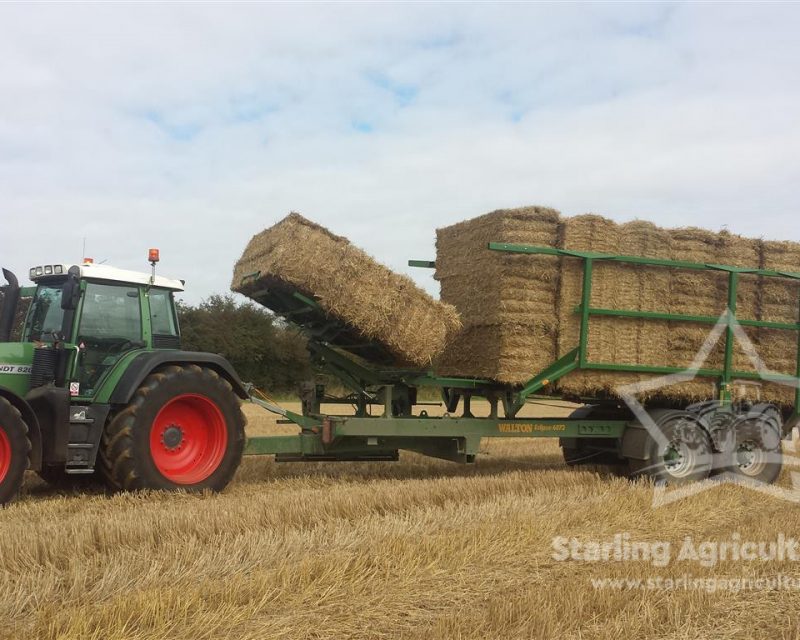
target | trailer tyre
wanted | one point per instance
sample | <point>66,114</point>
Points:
<point>15,448</point>
<point>756,454</point>
<point>684,457</point>
<point>183,429</point>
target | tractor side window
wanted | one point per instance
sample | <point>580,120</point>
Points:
<point>162,316</point>
<point>46,314</point>
<point>111,324</point>
<point>111,313</point>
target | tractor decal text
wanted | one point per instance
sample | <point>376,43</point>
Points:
<point>16,369</point>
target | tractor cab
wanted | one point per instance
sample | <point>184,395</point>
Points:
<point>83,319</point>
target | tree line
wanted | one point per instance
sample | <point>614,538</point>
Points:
<point>262,348</point>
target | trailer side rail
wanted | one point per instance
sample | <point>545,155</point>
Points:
<point>578,358</point>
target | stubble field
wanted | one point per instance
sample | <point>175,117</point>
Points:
<point>413,549</point>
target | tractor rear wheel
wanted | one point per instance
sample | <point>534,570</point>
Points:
<point>15,448</point>
<point>183,429</point>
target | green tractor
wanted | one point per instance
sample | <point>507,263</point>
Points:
<point>97,385</point>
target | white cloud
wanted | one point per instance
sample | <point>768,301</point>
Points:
<point>192,127</point>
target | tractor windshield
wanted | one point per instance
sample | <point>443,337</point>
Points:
<point>46,315</point>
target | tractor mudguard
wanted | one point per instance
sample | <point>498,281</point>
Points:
<point>34,431</point>
<point>51,406</point>
<point>143,364</point>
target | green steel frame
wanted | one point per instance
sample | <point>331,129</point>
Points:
<point>578,358</point>
<point>373,381</point>
<point>451,438</point>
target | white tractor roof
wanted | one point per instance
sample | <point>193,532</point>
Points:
<point>105,272</point>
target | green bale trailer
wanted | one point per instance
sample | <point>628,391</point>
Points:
<point>98,385</point>
<point>673,444</point>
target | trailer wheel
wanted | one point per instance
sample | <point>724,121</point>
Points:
<point>684,457</point>
<point>756,454</point>
<point>183,429</point>
<point>15,447</point>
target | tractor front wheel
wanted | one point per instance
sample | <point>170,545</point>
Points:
<point>15,448</point>
<point>183,429</point>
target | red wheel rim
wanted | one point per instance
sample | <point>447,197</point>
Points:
<point>188,439</point>
<point>5,454</point>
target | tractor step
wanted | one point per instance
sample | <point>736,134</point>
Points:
<point>78,454</point>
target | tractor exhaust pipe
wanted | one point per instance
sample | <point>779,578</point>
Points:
<point>10,302</point>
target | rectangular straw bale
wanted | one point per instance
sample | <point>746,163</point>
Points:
<point>780,302</point>
<point>616,286</point>
<point>504,353</point>
<point>507,302</point>
<point>348,284</point>
<point>492,287</point>
<point>706,292</point>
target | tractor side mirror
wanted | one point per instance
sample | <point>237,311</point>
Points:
<point>71,290</point>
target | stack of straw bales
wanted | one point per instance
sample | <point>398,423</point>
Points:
<point>378,304</point>
<point>779,303</point>
<point>678,291</point>
<point>496,281</point>
<point>506,301</point>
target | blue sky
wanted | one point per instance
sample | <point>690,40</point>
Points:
<point>192,127</point>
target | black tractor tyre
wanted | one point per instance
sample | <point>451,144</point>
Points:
<point>688,455</point>
<point>756,454</point>
<point>15,449</point>
<point>182,430</point>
